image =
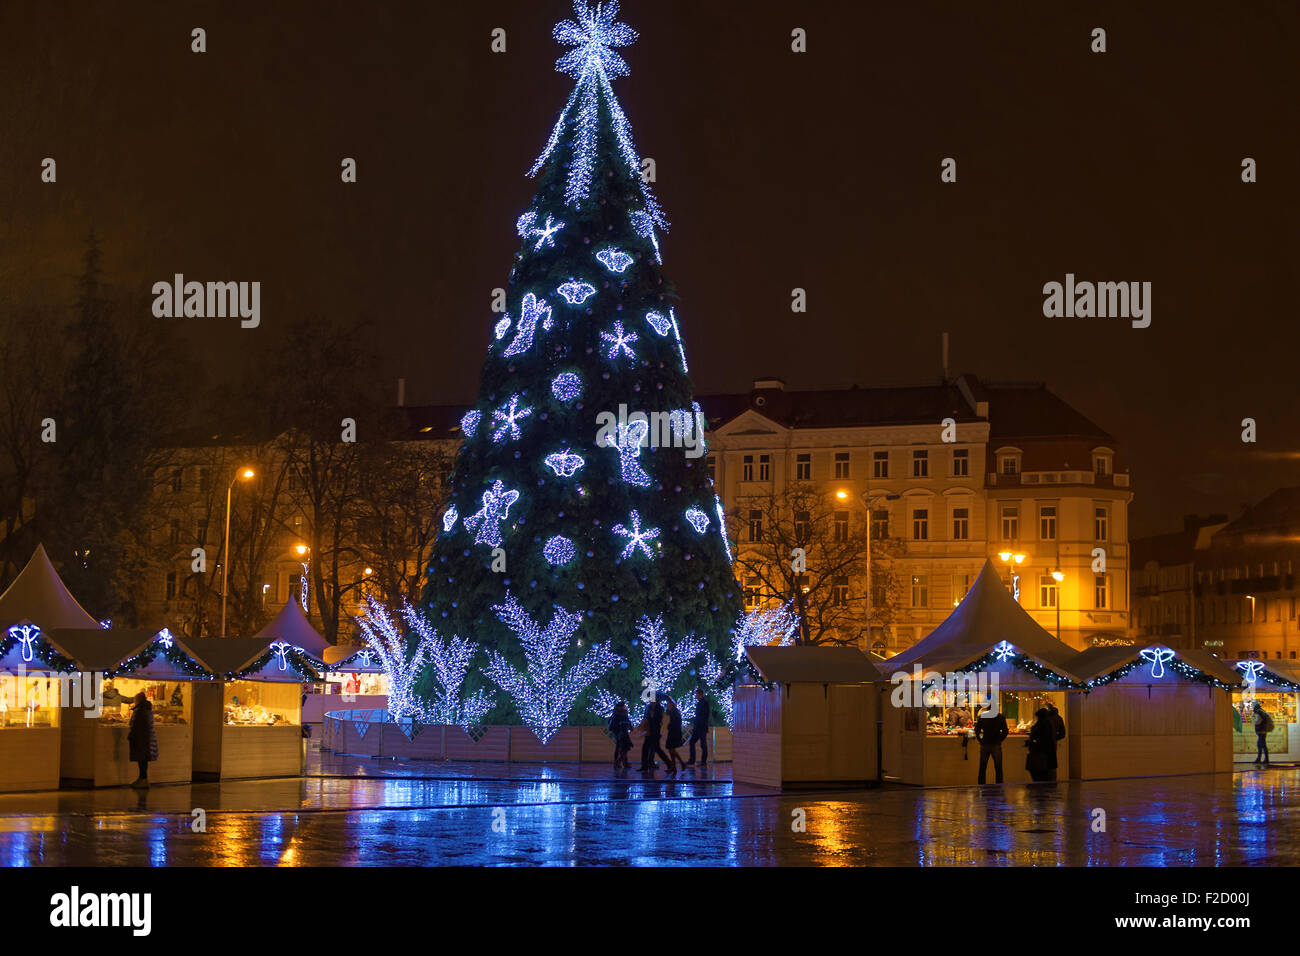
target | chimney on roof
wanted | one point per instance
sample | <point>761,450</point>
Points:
<point>401,393</point>
<point>762,383</point>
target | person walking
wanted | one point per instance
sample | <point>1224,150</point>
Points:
<point>675,738</point>
<point>1058,725</point>
<point>1041,759</point>
<point>1263,727</point>
<point>990,732</point>
<point>620,728</point>
<point>700,729</point>
<point>651,723</point>
<point>141,740</point>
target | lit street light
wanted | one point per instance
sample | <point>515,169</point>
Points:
<point>242,473</point>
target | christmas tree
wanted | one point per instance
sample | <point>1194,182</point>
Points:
<point>580,494</point>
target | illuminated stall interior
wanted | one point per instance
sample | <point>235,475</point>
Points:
<point>1275,686</point>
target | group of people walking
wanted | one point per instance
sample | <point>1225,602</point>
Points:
<point>664,737</point>
<point>1040,760</point>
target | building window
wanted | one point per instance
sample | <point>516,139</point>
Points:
<point>920,463</point>
<point>174,531</point>
<point>960,587</point>
<point>880,464</point>
<point>205,479</point>
<point>1101,464</point>
<point>921,524</point>
<point>1101,523</point>
<point>920,590</point>
<point>1010,522</point>
<point>840,591</point>
<point>764,467</point>
<point>803,468</point>
<point>711,467</point>
<point>960,524</point>
<point>880,524</point>
<point>755,525</point>
<point>801,522</point>
<point>295,588</point>
<point>841,464</point>
<point>170,590</point>
<point>961,462</point>
<point>201,530</point>
<point>177,480</point>
<point>747,468</point>
<point>1010,465</point>
<point>1101,593</point>
<point>1047,591</point>
<point>753,593</point>
<point>841,526</point>
<point>1047,522</point>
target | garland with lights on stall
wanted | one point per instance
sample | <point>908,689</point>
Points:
<point>1004,653</point>
<point>1183,669</point>
<point>1263,673</point>
<point>294,657</point>
<point>162,643</point>
<point>40,647</point>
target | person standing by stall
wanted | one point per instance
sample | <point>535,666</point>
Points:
<point>675,738</point>
<point>1263,727</point>
<point>1041,759</point>
<point>700,729</point>
<point>1058,725</point>
<point>651,723</point>
<point>620,728</point>
<point>141,739</point>
<point>990,732</point>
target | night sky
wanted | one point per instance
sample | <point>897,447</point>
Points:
<point>777,170</point>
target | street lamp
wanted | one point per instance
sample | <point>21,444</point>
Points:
<point>1058,576</point>
<point>304,588</point>
<point>1013,558</point>
<point>245,474</point>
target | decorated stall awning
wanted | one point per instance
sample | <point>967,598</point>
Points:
<point>292,627</point>
<point>989,629</point>
<point>1270,675</point>
<point>25,648</point>
<point>813,665</point>
<point>1152,663</point>
<point>255,658</point>
<point>353,660</point>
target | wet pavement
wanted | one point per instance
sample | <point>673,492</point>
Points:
<point>359,811</point>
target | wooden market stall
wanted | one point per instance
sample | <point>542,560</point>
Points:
<point>1276,686</point>
<point>32,687</point>
<point>95,751</point>
<point>355,679</point>
<point>1149,710</point>
<point>815,725</point>
<point>935,690</point>
<point>250,724</point>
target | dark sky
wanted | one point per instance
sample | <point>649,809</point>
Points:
<point>777,170</point>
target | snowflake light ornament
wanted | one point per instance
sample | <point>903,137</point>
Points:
<point>619,341</point>
<point>1003,651</point>
<point>637,539</point>
<point>506,419</point>
<point>545,234</point>
<point>592,34</point>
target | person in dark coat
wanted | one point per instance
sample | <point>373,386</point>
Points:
<point>1041,759</point>
<point>1058,725</point>
<point>650,723</point>
<point>700,729</point>
<point>1263,726</point>
<point>675,736</point>
<point>620,728</point>
<point>141,739</point>
<point>990,732</point>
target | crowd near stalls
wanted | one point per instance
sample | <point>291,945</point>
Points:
<point>815,723</point>
<point>988,653</point>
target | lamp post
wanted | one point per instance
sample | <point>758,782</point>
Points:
<point>1014,558</point>
<point>304,587</point>
<point>1058,576</point>
<point>867,500</point>
<point>244,473</point>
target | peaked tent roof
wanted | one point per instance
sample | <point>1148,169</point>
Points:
<point>226,655</point>
<point>98,649</point>
<point>39,596</point>
<point>814,665</point>
<point>987,616</point>
<point>292,627</point>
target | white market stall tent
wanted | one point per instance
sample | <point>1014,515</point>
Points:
<point>36,602</point>
<point>1150,710</point>
<point>815,724</point>
<point>988,635</point>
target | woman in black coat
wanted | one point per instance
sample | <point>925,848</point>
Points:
<point>142,740</point>
<point>675,735</point>
<point>1041,760</point>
